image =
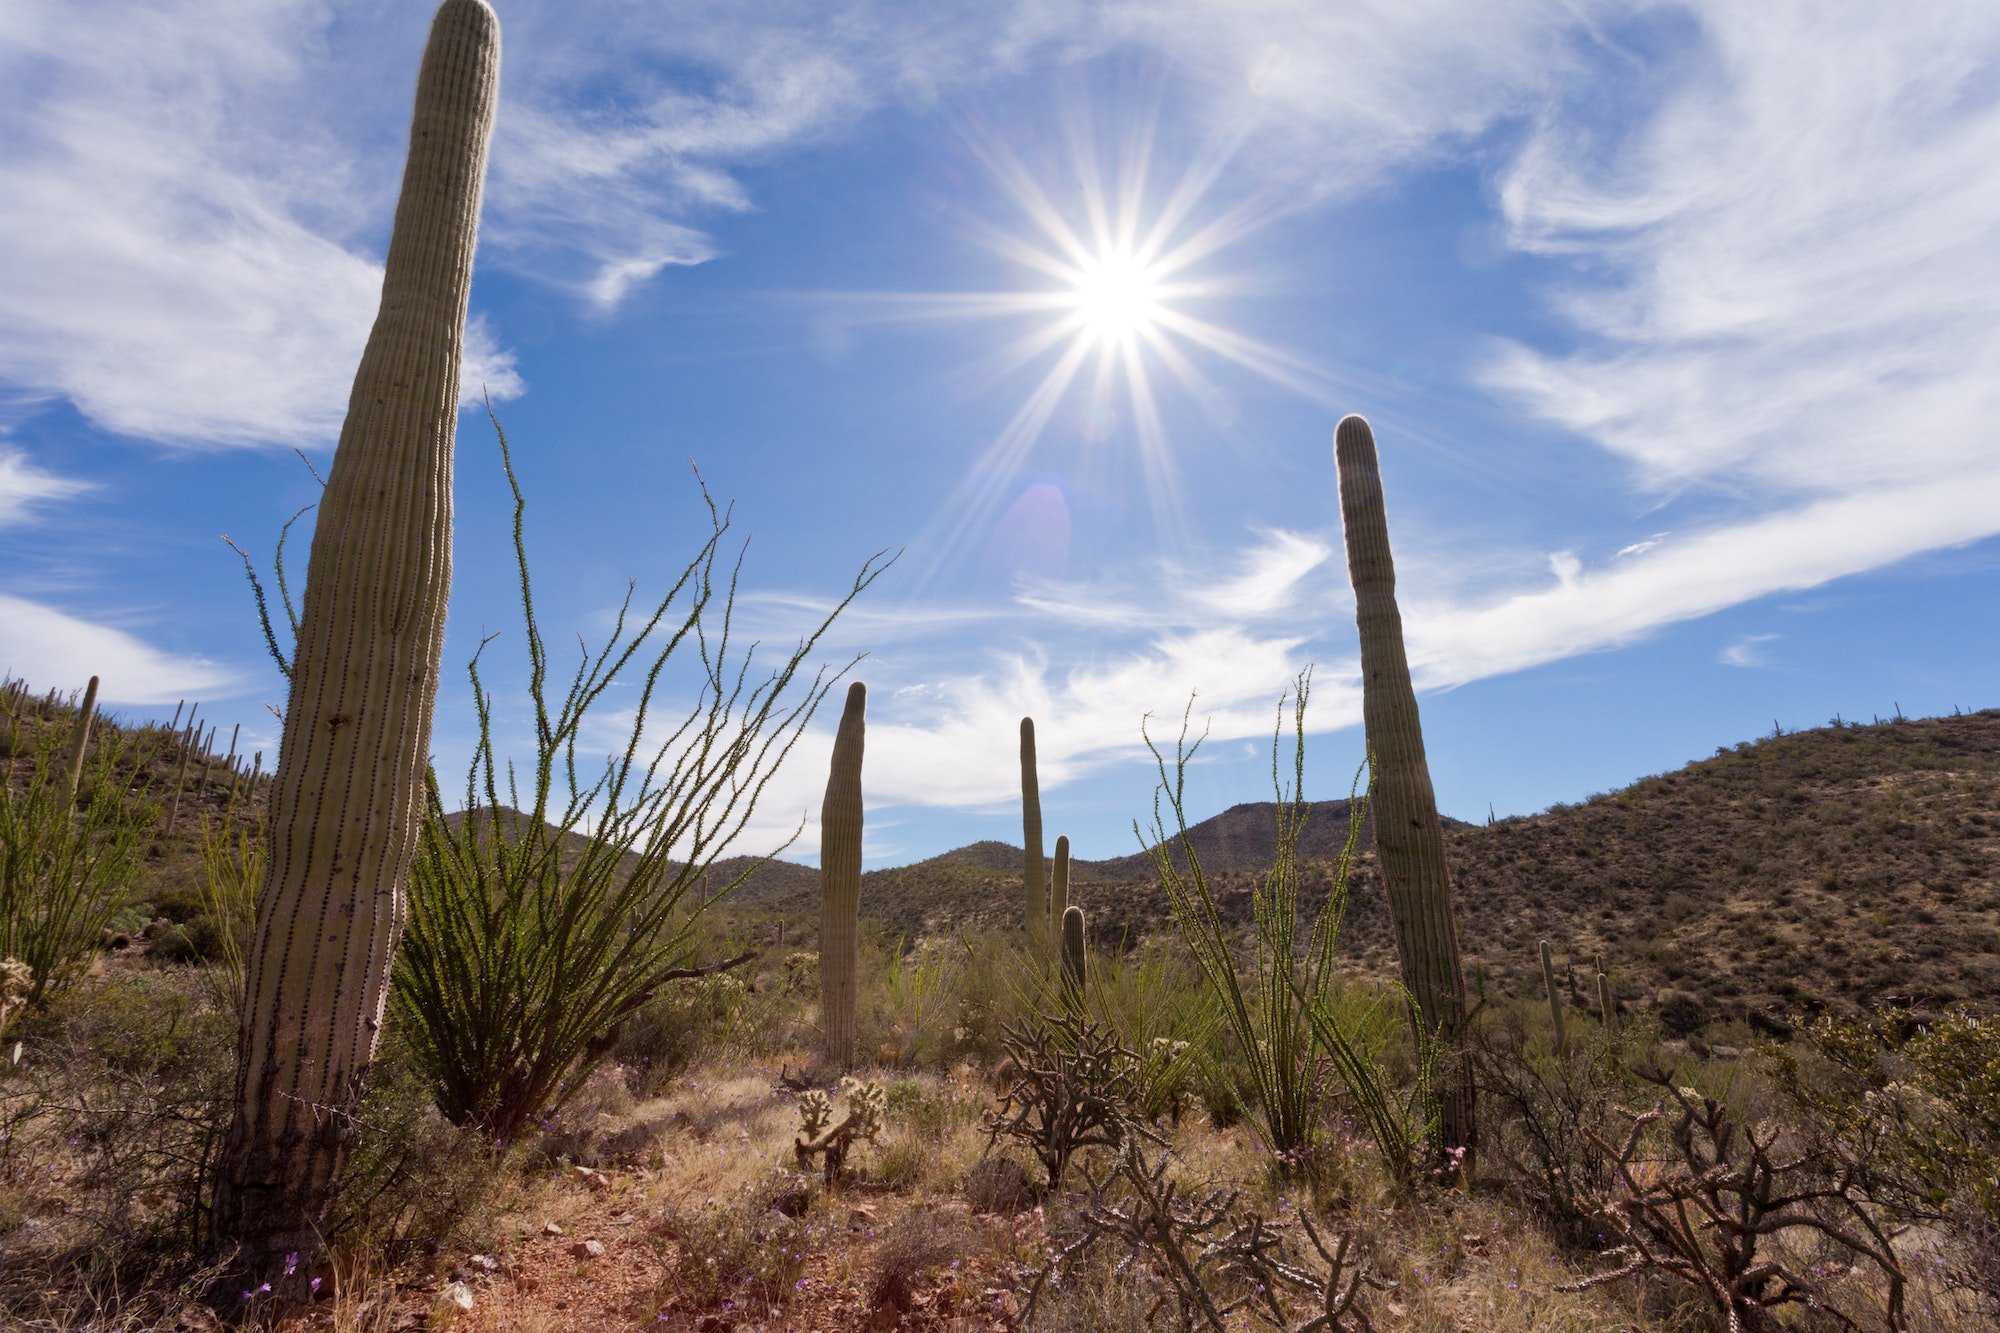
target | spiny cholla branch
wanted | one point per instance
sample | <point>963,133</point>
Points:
<point>1705,1215</point>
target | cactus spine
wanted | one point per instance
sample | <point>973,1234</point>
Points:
<point>80,737</point>
<point>350,780</point>
<point>1059,881</point>
<point>1073,949</point>
<point>1409,840</point>
<point>1555,998</point>
<point>840,881</point>
<point>1033,870</point>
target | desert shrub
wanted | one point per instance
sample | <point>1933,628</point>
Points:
<point>1154,999</point>
<point>913,1248</point>
<point>1276,1006</point>
<point>415,1183</point>
<point>745,1250</point>
<point>561,901</point>
<point>1918,1108</point>
<point>1204,1254</point>
<point>67,860</point>
<point>911,1001</point>
<point>1543,1105</point>
<point>110,1120</point>
<point>661,1041</point>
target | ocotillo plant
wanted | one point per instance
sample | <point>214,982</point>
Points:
<point>1073,948</point>
<point>1555,998</point>
<point>80,738</point>
<point>840,881</point>
<point>1409,841</point>
<point>1033,869</point>
<point>354,755</point>
<point>1059,881</point>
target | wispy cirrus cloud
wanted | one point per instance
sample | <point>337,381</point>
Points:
<point>52,649</point>
<point>1787,260</point>
<point>25,485</point>
<point>182,264</point>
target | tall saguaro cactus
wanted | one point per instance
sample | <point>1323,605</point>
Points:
<point>840,881</point>
<point>1409,840</point>
<point>1033,868</point>
<point>349,791</point>
<point>1073,949</point>
<point>79,738</point>
<point>1059,880</point>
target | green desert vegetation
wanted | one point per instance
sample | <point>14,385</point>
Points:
<point>664,1187</point>
<point>331,1048</point>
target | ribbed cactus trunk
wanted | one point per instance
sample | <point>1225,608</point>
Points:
<point>349,786</point>
<point>1059,880</point>
<point>840,882</point>
<point>1034,869</point>
<point>79,739</point>
<point>1409,840</point>
<point>1555,999</point>
<point>1073,955</point>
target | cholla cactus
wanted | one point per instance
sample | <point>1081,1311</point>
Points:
<point>840,880</point>
<point>867,1104</point>
<point>830,1141</point>
<point>349,793</point>
<point>815,1113</point>
<point>17,983</point>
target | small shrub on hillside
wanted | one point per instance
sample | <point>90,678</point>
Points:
<point>743,1250</point>
<point>67,862</point>
<point>109,1123</point>
<point>661,1041</point>
<point>1545,1111</point>
<point>1918,1108</point>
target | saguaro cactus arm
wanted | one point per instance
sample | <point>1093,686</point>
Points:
<point>350,778</point>
<point>1033,868</point>
<point>840,880</point>
<point>1409,840</point>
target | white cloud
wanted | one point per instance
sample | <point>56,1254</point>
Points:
<point>24,485</point>
<point>1747,651</point>
<point>177,216</point>
<point>52,649</point>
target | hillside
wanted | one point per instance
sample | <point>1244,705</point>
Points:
<point>1847,865</point>
<point>1852,865</point>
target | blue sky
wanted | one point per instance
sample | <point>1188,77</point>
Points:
<point>1675,323</point>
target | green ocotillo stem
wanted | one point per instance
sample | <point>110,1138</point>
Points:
<point>1409,840</point>
<point>1059,881</point>
<point>79,737</point>
<point>1073,947</point>
<point>1555,997</point>
<point>1033,870</point>
<point>348,795</point>
<point>840,881</point>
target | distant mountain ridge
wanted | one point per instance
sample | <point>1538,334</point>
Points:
<point>1853,865</point>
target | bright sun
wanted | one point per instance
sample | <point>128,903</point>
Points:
<point>1118,298</point>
